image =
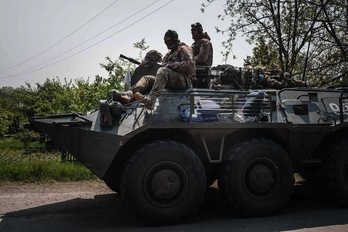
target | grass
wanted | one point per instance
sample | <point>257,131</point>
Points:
<point>10,142</point>
<point>43,171</point>
<point>35,164</point>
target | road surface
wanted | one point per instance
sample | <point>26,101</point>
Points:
<point>91,206</point>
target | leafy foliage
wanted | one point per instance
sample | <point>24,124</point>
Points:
<point>142,46</point>
<point>308,38</point>
<point>10,114</point>
<point>55,96</point>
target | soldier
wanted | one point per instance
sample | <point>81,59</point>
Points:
<point>149,66</point>
<point>202,48</point>
<point>274,79</point>
<point>144,72</point>
<point>177,70</point>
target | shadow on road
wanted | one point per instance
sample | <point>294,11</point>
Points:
<point>106,213</point>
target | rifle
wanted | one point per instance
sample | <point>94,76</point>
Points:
<point>134,61</point>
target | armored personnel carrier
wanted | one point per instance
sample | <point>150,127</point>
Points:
<point>162,161</point>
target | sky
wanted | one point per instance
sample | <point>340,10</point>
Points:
<point>45,39</point>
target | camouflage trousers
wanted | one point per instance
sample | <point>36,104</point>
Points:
<point>273,83</point>
<point>165,78</point>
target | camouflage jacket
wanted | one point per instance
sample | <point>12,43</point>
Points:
<point>203,51</point>
<point>180,60</point>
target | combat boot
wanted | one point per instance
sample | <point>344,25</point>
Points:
<point>122,97</point>
<point>147,100</point>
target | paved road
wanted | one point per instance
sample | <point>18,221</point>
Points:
<point>59,207</point>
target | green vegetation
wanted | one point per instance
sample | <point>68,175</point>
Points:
<point>23,156</point>
<point>55,96</point>
<point>42,171</point>
<point>307,39</point>
<point>35,164</point>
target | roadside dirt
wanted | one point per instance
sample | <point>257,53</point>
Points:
<point>19,196</point>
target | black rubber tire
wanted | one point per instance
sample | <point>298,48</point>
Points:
<point>257,177</point>
<point>334,174</point>
<point>163,183</point>
<point>113,186</point>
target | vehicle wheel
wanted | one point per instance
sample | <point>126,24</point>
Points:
<point>163,183</point>
<point>113,186</point>
<point>335,173</point>
<point>257,177</point>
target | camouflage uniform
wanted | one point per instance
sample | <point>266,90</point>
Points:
<point>202,55</point>
<point>148,67</point>
<point>176,73</point>
<point>203,50</point>
<point>274,79</point>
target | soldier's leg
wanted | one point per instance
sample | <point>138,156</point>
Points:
<point>144,85</point>
<point>275,84</point>
<point>166,77</point>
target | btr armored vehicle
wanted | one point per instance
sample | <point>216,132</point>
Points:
<point>251,141</point>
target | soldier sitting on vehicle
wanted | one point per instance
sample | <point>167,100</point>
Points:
<point>291,82</point>
<point>177,70</point>
<point>274,79</point>
<point>148,67</point>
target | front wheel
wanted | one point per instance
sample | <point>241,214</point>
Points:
<point>163,183</point>
<point>257,177</point>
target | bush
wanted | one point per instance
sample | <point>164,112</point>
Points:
<point>26,137</point>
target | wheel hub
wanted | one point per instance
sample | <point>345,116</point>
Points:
<point>165,184</point>
<point>261,178</point>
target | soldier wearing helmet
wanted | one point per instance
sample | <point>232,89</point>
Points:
<point>149,66</point>
<point>177,70</point>
<point>153,56</point>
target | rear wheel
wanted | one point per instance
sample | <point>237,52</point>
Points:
<point>257,177</point>
<point>335,172</point>
<point>163,183</point>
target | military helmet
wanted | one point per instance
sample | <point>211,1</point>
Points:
<point>153,55</point>
<point>173,35</point>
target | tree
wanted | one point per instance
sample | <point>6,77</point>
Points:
<point>11,115</point>
<point>142,46</point>
<point>308,35</point>
<point>330,50</point>
<point>117,69</point>
<point>265,55</point>
<point>57,97</point>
